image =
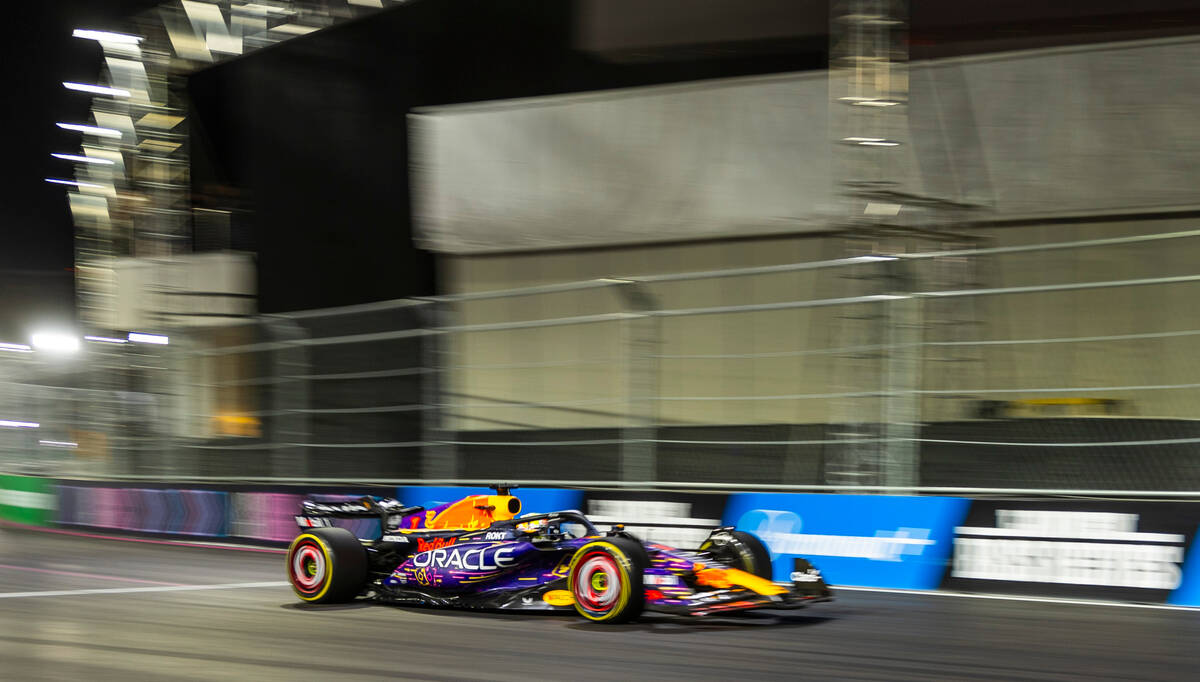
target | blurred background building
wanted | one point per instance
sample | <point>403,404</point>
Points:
<point>848,243</point>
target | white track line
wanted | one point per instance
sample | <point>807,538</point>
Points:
<point>130,590</point>
<point>1006,597</point>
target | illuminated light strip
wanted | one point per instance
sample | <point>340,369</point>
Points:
<point>90,130</point>
<point>96,89</point>
<point>106,36</point>
<point>72,183</point>
<point>140,337</point>
<point>8,423</point>
<point>1005,597</point>
<point>16,348</point>
<point>131,590</point>
<point>83,159</point>
<point>58,443</point>
<point>105,339</point>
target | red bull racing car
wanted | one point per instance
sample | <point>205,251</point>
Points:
<point>479,552</point>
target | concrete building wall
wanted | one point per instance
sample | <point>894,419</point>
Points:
<point>585,370</point>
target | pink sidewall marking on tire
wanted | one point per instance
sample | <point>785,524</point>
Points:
<point>305,580</point>
<point>594,566</point>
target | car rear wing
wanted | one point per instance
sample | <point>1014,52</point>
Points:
<point>318,510</point>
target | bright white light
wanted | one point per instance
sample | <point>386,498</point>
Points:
<point>16,347</point>
<point>7,423</point>
<point>879,143</point>
<point>869,101</point>
<point>862,139</point>
<point>58,444</point>
<point>105,36</point>
<point>90,130</point>
<point>74,184</point>
<point>97,89</point>
<point>55,342</point>
<point>872,259</point>
<point>83,159</point>
<point>139,337</point>
<point>105,339</point>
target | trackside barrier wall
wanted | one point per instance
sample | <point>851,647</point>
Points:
<point>1080,549</point>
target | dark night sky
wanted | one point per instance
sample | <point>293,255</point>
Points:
<point>38,53</point>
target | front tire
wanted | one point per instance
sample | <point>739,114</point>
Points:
<point>326,566</point>
<point>605,579</point>
<point>741,550</point>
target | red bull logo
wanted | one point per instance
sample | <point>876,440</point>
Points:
<point>424,545</point>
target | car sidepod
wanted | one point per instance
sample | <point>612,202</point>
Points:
<point>476,573</point>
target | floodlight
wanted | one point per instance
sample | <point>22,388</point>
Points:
<point>55,342</point>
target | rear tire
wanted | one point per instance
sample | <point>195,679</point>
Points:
<point>326,565</point>
<point>605,579</point>
<point>741,550</point>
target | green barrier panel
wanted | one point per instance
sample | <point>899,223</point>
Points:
<point>26,499</point>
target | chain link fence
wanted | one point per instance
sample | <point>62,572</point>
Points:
<point>1050,358</point>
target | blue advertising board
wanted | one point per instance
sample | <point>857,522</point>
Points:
<point>864,540</point>
<point>1188,592</point>
<point>533,500</point>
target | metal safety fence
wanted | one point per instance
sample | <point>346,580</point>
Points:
<point>1035,357</point>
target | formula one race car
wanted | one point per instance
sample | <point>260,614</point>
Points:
<point>478,553</point>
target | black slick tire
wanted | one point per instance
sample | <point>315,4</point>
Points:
<point>326,565</point>
<point>743,551</point>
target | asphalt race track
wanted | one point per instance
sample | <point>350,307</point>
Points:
<point>148,621</point>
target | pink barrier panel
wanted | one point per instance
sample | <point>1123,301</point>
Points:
<point>266,516</point>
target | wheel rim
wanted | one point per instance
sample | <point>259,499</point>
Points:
<point>598,582</point>
<point>308,568</point>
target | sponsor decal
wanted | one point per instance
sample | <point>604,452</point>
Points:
<point>1097,550</point>
<point>395,538</point>
<point>659,579</point>
<point>867,540</point>
<point>558,598</point>
<point>1079,548</point>
<point>28,499</point>
<point>495,535</point>
<point>673,519</point>
<point>311,522</point>
<point>467,558</point>
<point>423,577</point>
<point>781,531</point>
<point>424,545</point>
<point>1188,592</point>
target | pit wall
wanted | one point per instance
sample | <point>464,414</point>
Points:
<point>1118,550</point>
